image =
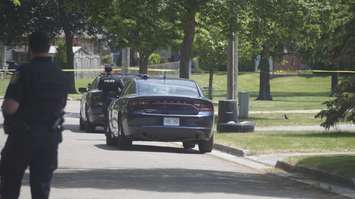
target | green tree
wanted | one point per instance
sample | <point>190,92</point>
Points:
<point>61,56</point>
<point>143,26</point>
<point>76,18</point>
<point>341,51</point>
<point>17,20</point>
<point>16,2</point>
<point>210,47</point>
<point>338,39</point>
<point>187,10</point>
<point>273,25</point>
<point>71,17</point>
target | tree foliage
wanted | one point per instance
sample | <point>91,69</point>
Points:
<point>187,11</point>
<point>144,26</point>
<point>17,20</point>
<point>72,17</point>
<point>339,47</point>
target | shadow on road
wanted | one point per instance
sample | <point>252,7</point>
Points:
<point>185,181</point>
<point>150,148</point>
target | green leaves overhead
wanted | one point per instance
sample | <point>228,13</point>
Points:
<point>16,2</point>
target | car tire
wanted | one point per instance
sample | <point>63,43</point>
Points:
<point>188,145</point>
<point>81,124</point>
<point>110,139</point>
<point>206,146</point>
<point>123,142</point>
<point>89,127</point>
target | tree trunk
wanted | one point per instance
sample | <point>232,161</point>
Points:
<point>143,62</point>
<point>69,47</point>
<point>264,86</point>
<point>186,46</point>
<point>70,62</point>
<point>334,84</point>
<point>210,85</point>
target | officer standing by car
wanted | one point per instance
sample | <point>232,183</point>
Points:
<point>33,110</point>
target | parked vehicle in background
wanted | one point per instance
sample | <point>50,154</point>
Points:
<point>96,98</point>
<point>160,109</point>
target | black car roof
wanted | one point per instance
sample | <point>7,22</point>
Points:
<point>118,76</point>
<point>167,78</point>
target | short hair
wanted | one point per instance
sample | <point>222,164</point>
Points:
<point>39,42</point>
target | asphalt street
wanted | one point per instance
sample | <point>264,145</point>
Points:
<point>88,169</point>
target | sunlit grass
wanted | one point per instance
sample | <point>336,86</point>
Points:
<point>342,165</point>
<point>289,93</point>
<point>280,142</point>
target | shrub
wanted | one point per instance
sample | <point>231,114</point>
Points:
<point>154,58</point>
<point>342,108</point>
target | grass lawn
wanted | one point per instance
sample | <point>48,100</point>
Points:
<point>83,83</point>
<point>277,119</point>
<point>342,165</point>
<point>279,142</point>
<point>289,93</point>
<point>3,86</point>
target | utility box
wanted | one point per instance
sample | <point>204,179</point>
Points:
<point>243,104</point>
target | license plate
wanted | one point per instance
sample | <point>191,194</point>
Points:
<point>171,121</point>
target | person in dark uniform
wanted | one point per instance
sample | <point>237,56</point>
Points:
<point>33,111</point>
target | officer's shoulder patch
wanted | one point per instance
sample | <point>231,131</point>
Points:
<point>15,77</point>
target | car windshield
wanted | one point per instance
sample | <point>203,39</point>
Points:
<point>167,87</point>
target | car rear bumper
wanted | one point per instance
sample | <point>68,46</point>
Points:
<point>151,128</point>
<point>169,134</point>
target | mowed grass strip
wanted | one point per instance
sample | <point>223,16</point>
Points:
<point>341,165</point>
<point>285,142</point>
<point>283,119</point>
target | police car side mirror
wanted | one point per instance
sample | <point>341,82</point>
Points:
<point>83,90</point>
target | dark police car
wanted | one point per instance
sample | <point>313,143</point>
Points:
<point>161,109</point>
<point>96,98</point>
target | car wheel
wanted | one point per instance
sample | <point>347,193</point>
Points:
<point>123,142</point>
<point>81,124</point>
<point>110,139</point>
<point>89,127</point>
<point>188,145</point>
<point>206,146</point>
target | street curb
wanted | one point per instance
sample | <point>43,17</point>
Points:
<point>321,175</point>
<point>346,190</point>
<point>231,150</point>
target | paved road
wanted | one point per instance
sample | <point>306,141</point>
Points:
<point>91,170</point>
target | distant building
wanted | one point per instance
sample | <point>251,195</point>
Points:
<point>82,60</point>
<point>288,62</point>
